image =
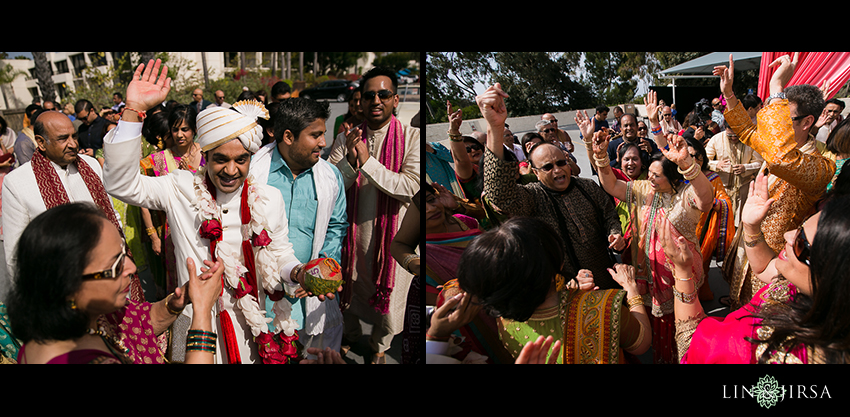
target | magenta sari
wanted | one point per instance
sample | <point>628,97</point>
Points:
<point>131,326</point>
<point>722,340</point>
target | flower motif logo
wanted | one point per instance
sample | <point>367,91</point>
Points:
<point>768,392</point>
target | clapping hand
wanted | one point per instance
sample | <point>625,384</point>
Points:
<point>535,352</point>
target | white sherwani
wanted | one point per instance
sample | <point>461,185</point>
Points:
<point>22,200</point>
<point>174,193</point>
<point>719,148</point>
<point>401,186</point>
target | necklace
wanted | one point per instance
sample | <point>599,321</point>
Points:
<point>114,344</point>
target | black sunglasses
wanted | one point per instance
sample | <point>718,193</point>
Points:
<point>550,166</point>
<point>802,249</point>
<point>383,95</point>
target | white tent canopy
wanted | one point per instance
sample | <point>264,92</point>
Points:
<point>703,66</point>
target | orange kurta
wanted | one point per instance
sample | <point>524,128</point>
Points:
<point>798,179</point>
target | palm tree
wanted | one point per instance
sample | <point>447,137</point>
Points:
<point>44,75</point>
<point>8,74</point>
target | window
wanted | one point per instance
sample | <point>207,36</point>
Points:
<point>62,66</point>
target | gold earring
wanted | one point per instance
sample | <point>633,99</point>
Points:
<point>73,304</point>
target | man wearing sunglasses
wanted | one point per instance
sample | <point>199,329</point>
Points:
<point>576,208</point>
<point>380,164</point>
<point>799,174</point>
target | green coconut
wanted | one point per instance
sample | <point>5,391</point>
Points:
<point>322,276</point>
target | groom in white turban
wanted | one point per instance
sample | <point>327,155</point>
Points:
<point>218,213</point>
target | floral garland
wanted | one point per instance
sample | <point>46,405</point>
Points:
<point>273,348</point>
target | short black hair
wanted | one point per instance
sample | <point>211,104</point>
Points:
<point>280,87</point>
<point>38,306</point>
<point>83,105</point>
<point>296,114</point>
<point>378,71</point>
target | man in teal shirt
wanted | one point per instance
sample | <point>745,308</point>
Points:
<point>314,194</point>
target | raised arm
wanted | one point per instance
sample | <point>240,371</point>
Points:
<point>599,143</point>
<point>651,103</point>
<point>492,105</point>
<point>678,154</point>
<point>463,163</point>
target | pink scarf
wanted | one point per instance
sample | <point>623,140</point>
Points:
<point>386,220</point>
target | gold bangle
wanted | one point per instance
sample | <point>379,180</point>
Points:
<point>635,301</point>
<point>168,307</point>
<point>151,231</point>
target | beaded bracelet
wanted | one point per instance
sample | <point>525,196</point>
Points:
<point>452,136</point>
<point>685,298</point>
<point>657,131</point>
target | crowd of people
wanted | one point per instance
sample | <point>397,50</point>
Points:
<point>531,261</point>
<point>211,232</point>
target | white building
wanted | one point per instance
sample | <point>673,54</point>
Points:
<point>68,69</point>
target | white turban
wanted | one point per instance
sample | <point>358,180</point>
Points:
<point>218,125</point>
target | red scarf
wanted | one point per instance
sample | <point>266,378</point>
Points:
<point>386,220</point>
<point>53,193</point>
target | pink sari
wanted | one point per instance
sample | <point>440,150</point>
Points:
<point>722,340</point>
<point>132,326</point>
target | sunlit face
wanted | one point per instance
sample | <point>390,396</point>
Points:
<point>60,144</point>
<point>227,166</point>
<point>103,296</point>
<point>631,163</point>
<point>801,124</point>
<point>629,128</point>
<point>656,178</point>
<point>377,110</point>
<point>787,263</point>
<point>182,135</point>
<point>304,152</point>
<point>551,167</point>
<point>435,213</point>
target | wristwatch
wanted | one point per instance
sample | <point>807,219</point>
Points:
<point>779,95</point>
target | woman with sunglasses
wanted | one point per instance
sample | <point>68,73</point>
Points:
<point>799,317</point>
<point>69,303</point>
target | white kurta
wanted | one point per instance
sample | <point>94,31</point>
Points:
<point>22,200</point>
<point>401,186</point>
<point>174,194</point>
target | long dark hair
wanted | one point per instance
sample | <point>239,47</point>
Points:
<point>820,320</point>
<point>52,253</point>
<point>510,269</point>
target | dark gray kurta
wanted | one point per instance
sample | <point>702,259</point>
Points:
<point>587,211</point>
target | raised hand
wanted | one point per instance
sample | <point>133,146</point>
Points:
<point>145,90</point>
<point>600,141</point>
<point>455,118</point>
<point>786,65</point>
<point>758,202</point>
<point>651,103</point>
<point>492,105</point>
<point>586,125</point>
<point>727,76</point>
<point>678,151</point>
<point>676,249</point>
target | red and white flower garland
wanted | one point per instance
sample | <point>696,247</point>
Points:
<point>264,267</point>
